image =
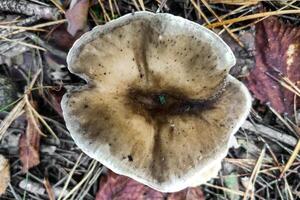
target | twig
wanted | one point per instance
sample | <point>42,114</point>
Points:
<point>28,8</point>
<point>270,133</point>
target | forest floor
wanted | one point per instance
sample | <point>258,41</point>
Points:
<point>38,157</point>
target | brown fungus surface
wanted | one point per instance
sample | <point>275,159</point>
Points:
<point>159,105</point>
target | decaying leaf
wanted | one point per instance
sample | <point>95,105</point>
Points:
<point>4,173</point>
<point>29,144</point>
<point>117,187</point>
<point>77,16</point>
<point>60,38</point>
<point>277,51</point>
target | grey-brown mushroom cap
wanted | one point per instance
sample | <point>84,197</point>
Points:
<point>155,107</point>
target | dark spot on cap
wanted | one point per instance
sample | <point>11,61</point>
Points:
<point>130,159</point>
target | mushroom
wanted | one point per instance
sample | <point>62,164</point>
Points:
<point>159,105</point>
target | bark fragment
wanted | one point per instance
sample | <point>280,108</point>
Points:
<point>28,8</point>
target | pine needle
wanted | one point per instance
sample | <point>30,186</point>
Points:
<point>255,173</point>
<point>69,177</point>
<point>253,16</point>
<point>291,159</point>
<point>225,189</point>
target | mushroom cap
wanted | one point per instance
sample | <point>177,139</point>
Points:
<point>159,105</point>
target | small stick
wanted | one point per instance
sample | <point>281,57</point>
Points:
<point>270,133</point>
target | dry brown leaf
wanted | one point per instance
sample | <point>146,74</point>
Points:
<point>4,173</point>
<point>77,16</point>
<point>277,49</point>
<point>29,144</point>
<point>117,187</point>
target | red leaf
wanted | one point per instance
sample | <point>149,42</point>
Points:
<point>117,187</point>
<point>29,145</point>
<point>77,16</point>
<point>277,48</point>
